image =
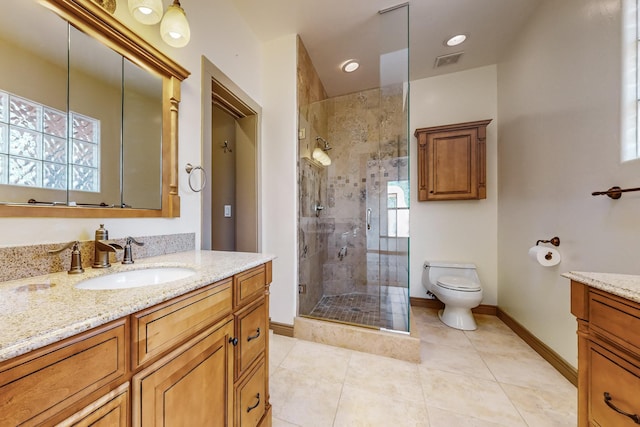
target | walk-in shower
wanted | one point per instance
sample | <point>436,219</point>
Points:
<point>353,229</point>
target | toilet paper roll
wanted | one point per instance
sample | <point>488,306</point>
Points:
<point>545,256</point>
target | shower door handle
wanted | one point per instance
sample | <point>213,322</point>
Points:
<point>368,219</point>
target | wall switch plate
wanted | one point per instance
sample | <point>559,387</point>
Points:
<point>227,211</point>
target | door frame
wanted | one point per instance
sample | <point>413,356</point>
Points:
<point>229,92</point>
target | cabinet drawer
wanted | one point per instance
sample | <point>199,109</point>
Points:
<point>163,326</point>
<point>249,285</point>
<point>251,330</point>
<point>109,411</point>
<point>35,386</point>
<point>250,398</point>
<point>618,321</point>
<point>617,377</point>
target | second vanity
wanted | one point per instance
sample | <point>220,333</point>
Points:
<point>192,351</point>
<point>607,308</point>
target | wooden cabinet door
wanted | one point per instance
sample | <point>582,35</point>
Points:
<point>452,161</point>
<point>191,386</point>
<point>453,165</point>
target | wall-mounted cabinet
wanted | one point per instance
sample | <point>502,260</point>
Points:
<point>452,161</point>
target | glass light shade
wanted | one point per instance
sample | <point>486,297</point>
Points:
<point>174,28</point>
<point>146,12</point>
<point>321,156</point>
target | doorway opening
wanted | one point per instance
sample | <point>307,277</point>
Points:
<point>231,120</point>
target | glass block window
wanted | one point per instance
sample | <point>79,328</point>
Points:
<point>35,151</point>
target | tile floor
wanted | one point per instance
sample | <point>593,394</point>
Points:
<point>483,378</point>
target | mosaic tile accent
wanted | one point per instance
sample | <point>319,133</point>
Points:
<point>28,261</point>
<point>387,310</point>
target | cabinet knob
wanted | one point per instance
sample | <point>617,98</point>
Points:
<point>233,341</point>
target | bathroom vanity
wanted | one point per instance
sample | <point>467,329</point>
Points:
<point>607,308</point>
<point>188,352</point>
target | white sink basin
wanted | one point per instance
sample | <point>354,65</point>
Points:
<point>136,278</point>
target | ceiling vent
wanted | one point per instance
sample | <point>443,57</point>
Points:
<point>452,58</point>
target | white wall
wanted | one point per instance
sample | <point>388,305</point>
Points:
<point>461,230</point>
<point>559,140</point>
<point>219,33</point>
<point>279,157</point>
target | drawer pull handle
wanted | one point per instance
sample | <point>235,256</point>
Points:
<point>250,408</point>
<point>607,400</point>
<point>253,337</point>
<point>233,341</point>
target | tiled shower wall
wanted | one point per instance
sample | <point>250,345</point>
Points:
<point>368,134</point>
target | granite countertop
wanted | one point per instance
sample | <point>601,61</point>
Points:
<point>41,310</point>
<point>623,285</point>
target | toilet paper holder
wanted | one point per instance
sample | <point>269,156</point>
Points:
<point>555,241</point>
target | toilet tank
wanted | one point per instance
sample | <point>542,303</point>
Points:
<point>436,269</point>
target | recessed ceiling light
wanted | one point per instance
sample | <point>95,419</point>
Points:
<point>350,66</point>
<point>456,40</point>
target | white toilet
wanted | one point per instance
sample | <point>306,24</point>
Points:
<point>457,286</point>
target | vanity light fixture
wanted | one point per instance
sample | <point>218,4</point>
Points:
<point>174,28</point>
<point>147,12</point>
<point>350,66</point>
<point>456,40</point>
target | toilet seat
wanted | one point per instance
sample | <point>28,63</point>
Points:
<point>457,283</point>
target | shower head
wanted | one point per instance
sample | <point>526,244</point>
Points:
<point>326,144</point>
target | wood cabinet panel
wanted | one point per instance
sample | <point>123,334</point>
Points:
<point>39,384</point>
<point>161,327</point>
<point>191,386</point>
<point>452,161</point>
<point>249,285</point>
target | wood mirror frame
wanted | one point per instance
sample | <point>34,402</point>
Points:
<point>91,18</point>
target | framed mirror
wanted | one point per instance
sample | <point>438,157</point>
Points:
<point>88,116</point>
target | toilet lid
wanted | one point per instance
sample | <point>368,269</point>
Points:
<point>457,283</point>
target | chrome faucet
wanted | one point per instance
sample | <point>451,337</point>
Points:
<point>102,248</point>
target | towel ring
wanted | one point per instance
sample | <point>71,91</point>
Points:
<point>190,168</point>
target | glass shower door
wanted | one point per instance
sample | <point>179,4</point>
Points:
<point>388,195</point>
<point>353,211</point>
